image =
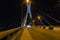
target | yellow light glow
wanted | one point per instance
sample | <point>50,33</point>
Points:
<point>39,17</point>
<point>33,20</point>
<point>27,1</point>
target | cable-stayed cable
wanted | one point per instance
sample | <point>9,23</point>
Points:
<point>51,17</point>
<point>47,22</point>
<point>42,23</point>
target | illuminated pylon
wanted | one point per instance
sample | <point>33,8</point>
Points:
<point>27,13</point>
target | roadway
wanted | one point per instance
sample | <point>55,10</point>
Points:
<point>44,34</point>
<point>34,33</point>
<point>8,32</point>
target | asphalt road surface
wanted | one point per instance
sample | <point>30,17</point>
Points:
<point>34,33</point>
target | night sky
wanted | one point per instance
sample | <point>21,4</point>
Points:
<point>11,11</point>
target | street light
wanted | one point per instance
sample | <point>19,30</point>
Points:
<point>33,22</point>
<point>27,1</point>
<point>38,17</point>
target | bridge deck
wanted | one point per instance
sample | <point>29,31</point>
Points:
<point>34,33</point>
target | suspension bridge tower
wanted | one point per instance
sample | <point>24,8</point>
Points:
<point>28,14</point>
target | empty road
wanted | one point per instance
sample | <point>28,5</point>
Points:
<point>34,33</point>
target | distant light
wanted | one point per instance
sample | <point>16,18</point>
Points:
<point>28,25</point>
<point>33,20</point>
<point>27,1</point>
<point>39,17</point>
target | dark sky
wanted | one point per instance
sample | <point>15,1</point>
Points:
<point>10,11</point>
